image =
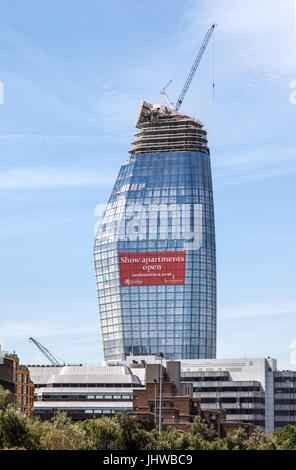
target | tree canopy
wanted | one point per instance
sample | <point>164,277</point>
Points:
<point>125,432</point>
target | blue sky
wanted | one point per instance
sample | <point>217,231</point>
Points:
<point>74,74</point>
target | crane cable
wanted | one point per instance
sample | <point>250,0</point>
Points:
<point>214,66</point>
<point>193,69</point>
<point>182,66</point>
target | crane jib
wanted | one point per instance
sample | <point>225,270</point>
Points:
<point>52,359</point>
<point>194,66</point>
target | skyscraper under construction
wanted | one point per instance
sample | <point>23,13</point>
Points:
<point>154,250</point>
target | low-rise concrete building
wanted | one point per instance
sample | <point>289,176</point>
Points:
<point>284,398</point>
<point>242,387</point>
<point>249,390</point>
<point>83,391</point>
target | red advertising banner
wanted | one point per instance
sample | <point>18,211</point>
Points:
<point>152,269</point>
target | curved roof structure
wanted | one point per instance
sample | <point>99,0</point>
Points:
<point>163,130</point>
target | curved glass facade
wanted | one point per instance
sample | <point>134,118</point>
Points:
<point>155,259</point>
<point>155,245</point>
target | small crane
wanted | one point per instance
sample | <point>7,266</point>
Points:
<point>191,73</point>
<point>52,359</point>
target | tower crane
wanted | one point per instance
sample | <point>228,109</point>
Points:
<point>192,71</point>
<point>52,359</point>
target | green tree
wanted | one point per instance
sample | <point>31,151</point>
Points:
<point>239,440</point>
<point>14,430</point>
<point>169,439</point>
<point>201,436</point>
<point>261,441</point>
<point>201,429</point>
<point>236,441</point>
<point>130,434</point>
<point>99,430</point>
<point>4,398</point>
<point>125,432</point>
<point>286,438</point>
<point>61,434</point>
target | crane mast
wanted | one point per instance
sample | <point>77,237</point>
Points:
<point>46,353</point>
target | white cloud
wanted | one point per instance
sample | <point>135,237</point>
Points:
<point>251,119</point>
<point>109,108</point>
<point>25,330</point>
<point>18,42</point>
<point>256,310</point>
<point>40,140</point>
<point>61,325</point>
<point>259,163</point>
<point>252,32</point>
<point>254,157</point>
<point>116,110</point>
<point>50,177</point>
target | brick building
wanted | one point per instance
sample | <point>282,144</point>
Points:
<point>24,387</point>
<point>21,384</point>
<point>6,375</point>
<point>178,406</point>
